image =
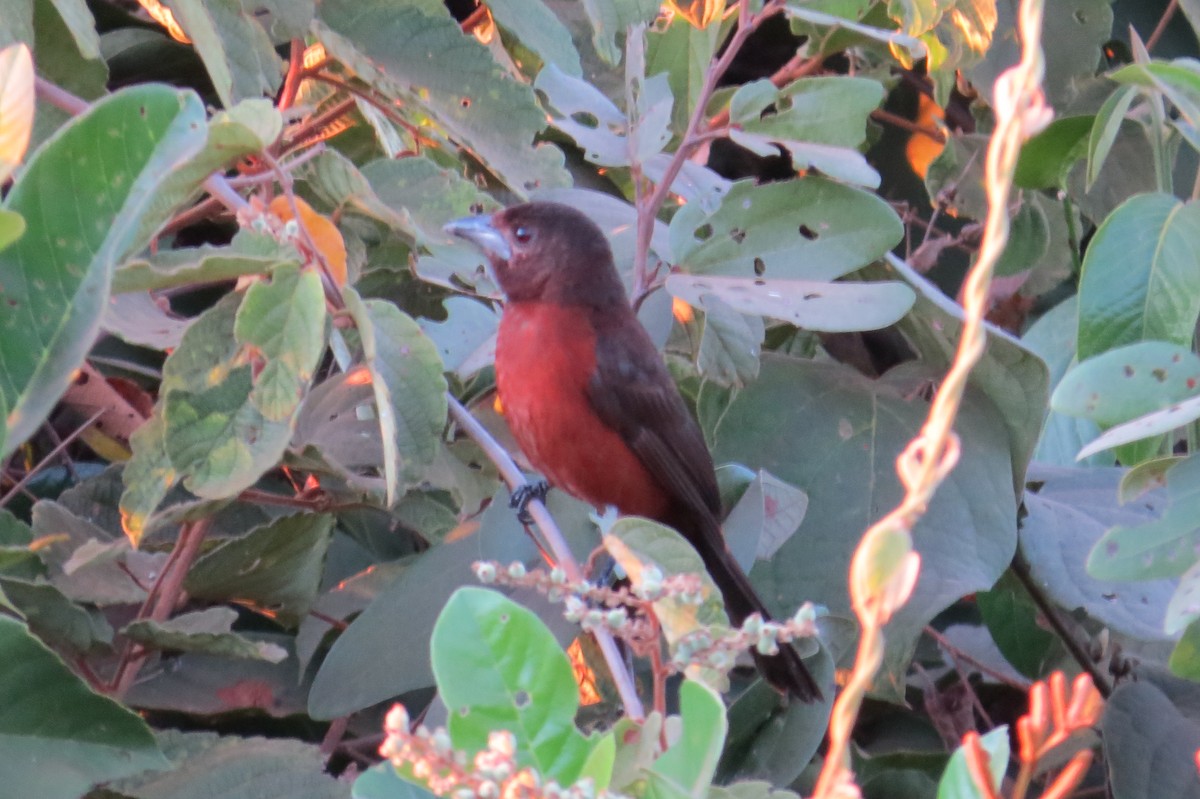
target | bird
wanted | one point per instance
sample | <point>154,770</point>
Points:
<point>591,404</point>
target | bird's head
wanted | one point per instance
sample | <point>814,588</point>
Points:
<point>545,251</point>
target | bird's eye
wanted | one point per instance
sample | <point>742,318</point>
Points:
<point>523,234</point>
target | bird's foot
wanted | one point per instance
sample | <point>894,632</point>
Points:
<point>522,496</point>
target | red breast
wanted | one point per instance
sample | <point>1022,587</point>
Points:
<point>545,356</point>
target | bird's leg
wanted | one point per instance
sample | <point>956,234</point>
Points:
<point>521,497</point>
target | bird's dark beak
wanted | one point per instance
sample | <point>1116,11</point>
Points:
<point>479,231</point>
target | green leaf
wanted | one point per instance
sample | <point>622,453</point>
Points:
<point>284,320</point>
<point>537,28</point>
<point>275,568</point>
<point>820,121</point>
<point>1183,609</point>
<point>1150,426</point>
<point>1124,383</point>
<point>612,19</point>
<point>1011,375</point>
<point>813,305</point>
<point>1139,280</point>
<point>417,51</point>
<point>365,666</point>
<point>410,389</point>
<point>1028,241</point>
<point>770,741</point>
<point>957,782</point>
<point>820,427</point>
<point>729,345</point>
<point>687,767</point>
<point>1105,130</point>
<point>381,781</point>
<point>1074,31</point>
<point>1185,657</point>
<point>1150,736</point>
<point>810,228</point>
<point>76,737</point>
<point>236,51</point>
<point>78,19</point>
<point>1164,547</point>
<point>148,476</point>
<point>499,668</point>
<point>340,183</point>
<point>1179,81</point>
<point>82,201</point>
<point>12,227</point>
<point>219,440</point>
<point>207,766</point>
<point>639,544</point>
<point>60,61</point>
<point>203,631</point>
<point>683,52</point>
<point>424,194</point>
<point>1068,515</point>
<point>183,267</point>
<point>466,341</point>
<point>1013,621</point>
<point>769,509</point>
<point>56,619</point>
<point>1052,338</point>
<point>249,127</point>
<point>1047,158</point>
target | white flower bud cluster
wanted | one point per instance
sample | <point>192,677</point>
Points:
<point>702,648</point>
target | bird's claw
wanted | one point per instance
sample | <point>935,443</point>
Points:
<point>522,496</point>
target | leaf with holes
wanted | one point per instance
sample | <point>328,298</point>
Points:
<point>491,658</point>
<point>417,52</point>
<point>813,305</point>
<point>1127,382</point>
<point>1162,547</point>
<point>809,229</point>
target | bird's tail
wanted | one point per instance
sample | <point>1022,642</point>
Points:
<point>784,671</point>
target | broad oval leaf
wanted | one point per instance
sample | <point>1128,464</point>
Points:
<point>813,305</point>
<point>499,668</point>
<point>76,737</point>
<point>1127,382</point>
<point>1139,277</point>
<point>811,228</point>
<point>82,199</point>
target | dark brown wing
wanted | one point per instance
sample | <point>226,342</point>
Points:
<point>632,392</point>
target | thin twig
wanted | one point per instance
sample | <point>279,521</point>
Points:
<point>66,442</point>
<point>879,115</point>
<point>958,654</point>
<point>513,477</point>
<point>1080,655</point>
<point>161,601</point>
<point>647,210</point>
<point>1161,27</point>
<point>294,77</point>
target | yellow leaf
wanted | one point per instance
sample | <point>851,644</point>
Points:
<point>16,106</point>
<point>923,149</point>
<point>325,235</point>
<point>699,12</point>
<point>163,16</point>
